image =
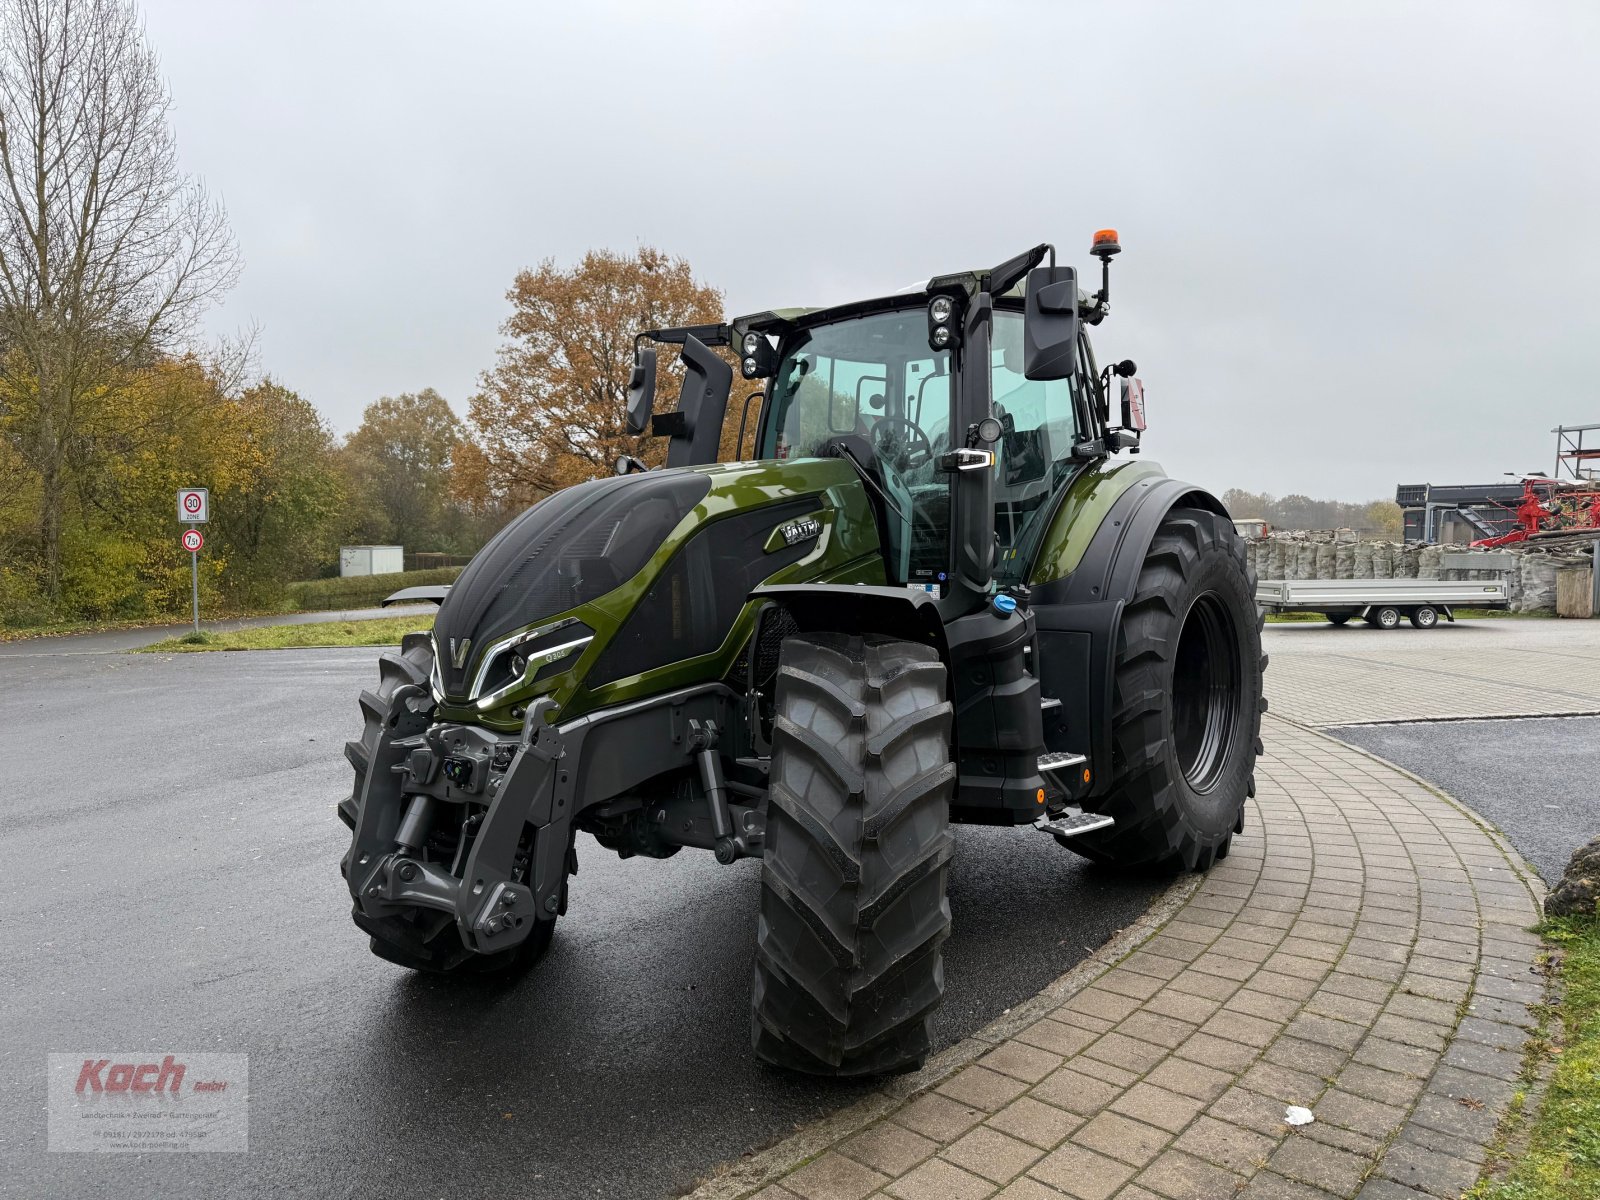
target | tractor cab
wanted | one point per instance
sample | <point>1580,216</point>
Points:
<point>871,389</point>
<point>966,407</point>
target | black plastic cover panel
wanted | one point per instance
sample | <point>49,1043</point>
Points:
<point>693,603</point>
<point>566,550</point>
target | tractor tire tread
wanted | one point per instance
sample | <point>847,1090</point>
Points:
<point>853,910</point>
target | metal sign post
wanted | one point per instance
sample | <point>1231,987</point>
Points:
<point>194,508</point>
<point>193,539</point>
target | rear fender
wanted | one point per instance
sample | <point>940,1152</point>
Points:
<point>1079,617</point>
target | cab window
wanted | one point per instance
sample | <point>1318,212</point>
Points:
<point>1039,419</point>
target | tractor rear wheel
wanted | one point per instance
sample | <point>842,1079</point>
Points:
<point>425,940</point>
<point>1341,618</point>
<point>858,844</point>
<point>1187,702</point>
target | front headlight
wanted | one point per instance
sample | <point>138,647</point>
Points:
<point>527,658</point>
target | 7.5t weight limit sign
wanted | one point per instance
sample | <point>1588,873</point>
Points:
<point>193,539</point>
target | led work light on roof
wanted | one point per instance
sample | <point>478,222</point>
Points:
<point>757,360</point>
<point>941,322</point>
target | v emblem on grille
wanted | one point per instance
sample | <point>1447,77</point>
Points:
<point>459,651</point>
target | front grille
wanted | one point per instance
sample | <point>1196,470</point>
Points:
<point>691,607</point>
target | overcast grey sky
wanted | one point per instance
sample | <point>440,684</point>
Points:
<point>1360,240</point>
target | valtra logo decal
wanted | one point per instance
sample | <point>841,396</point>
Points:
<point>803,529</point>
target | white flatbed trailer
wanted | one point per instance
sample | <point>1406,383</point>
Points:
<point>1383,603</point>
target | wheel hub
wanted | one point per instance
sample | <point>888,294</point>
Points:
<point>1205,689</point>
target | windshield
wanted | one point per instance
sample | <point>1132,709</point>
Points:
<point>850,377</point>
<point>873,385</point>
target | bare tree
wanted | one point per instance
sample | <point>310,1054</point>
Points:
<point>109,253</point>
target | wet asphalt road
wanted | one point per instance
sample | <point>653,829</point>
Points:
<point>171,884</point>
<point>1537,779</point>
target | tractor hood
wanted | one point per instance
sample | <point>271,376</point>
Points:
<point>565,551</point>
<point>617,577</point>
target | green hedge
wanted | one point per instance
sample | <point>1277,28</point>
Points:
<point>361,591</point>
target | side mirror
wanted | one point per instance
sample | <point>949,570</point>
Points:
<point>1050,324</point>
<point>1133,404</point>
<point>641,390</point>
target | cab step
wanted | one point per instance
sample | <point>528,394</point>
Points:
<point>1072,823</point>
<point>1061,768</point>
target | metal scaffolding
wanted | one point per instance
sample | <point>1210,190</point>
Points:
<point>1578,460</point>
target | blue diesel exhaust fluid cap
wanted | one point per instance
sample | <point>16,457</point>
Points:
<point>1004,605</point>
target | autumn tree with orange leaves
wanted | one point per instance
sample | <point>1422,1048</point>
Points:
<point>551,412</point>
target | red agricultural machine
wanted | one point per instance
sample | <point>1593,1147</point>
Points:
<point>1551,510</point>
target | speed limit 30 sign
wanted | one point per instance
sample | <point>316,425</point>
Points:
<point>193,539</point>
<point>194,505</point>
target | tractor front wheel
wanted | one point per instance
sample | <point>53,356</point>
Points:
<point>858,843</point>
<point>1187,702</point>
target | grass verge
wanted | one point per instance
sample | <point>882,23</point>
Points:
<point>379,631</point>
<point>1561,1155</point>
<point>18,633</point>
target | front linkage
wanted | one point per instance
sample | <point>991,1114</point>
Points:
<point>420,770</point>
<point>463,840</point>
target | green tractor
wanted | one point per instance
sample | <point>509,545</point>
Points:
<point>933,595</point>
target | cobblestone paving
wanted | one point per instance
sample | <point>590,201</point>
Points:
<point>1364,952</point>
<point>1485,668</point>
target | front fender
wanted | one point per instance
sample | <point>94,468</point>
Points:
<point>905,613</point>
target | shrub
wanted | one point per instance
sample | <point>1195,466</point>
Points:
<point>360,591</point>
<point>22,602</point>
